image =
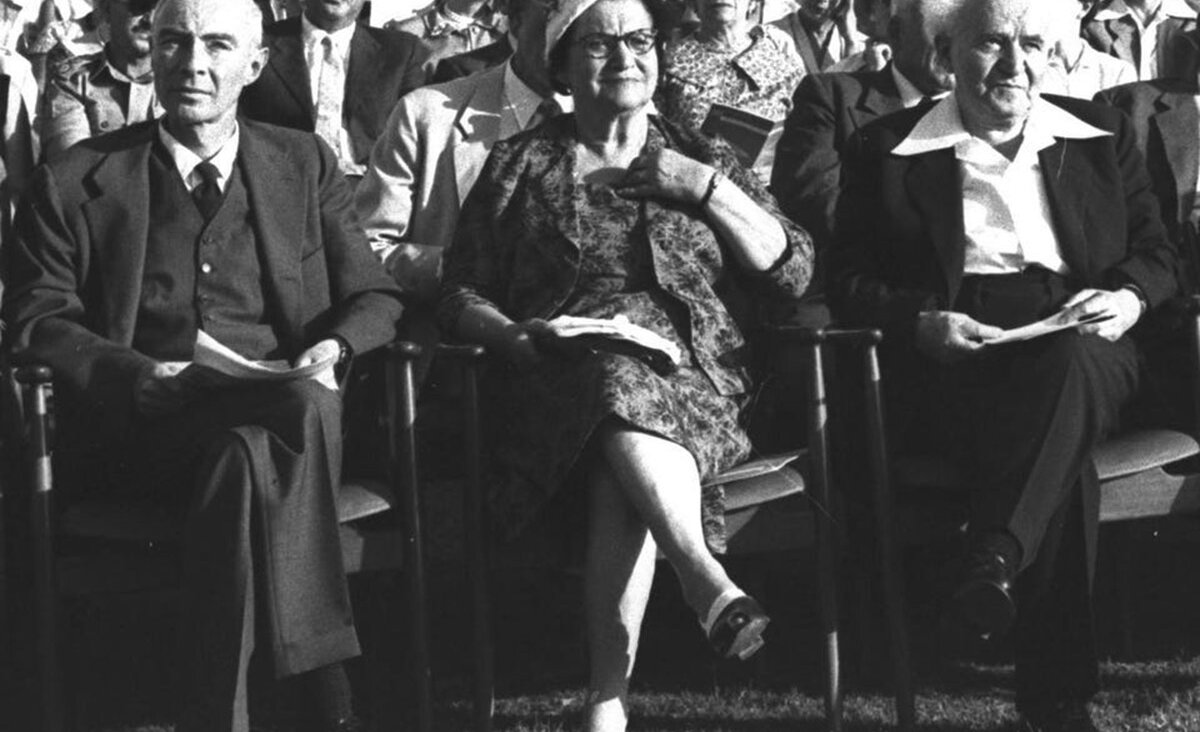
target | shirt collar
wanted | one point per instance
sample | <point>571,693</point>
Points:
<point>186,161</point>
<point>524,101</point>
<point>312,35</point>
<point>942,127</point>
<point>1169,8</point>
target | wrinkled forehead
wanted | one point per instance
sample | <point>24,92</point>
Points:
<point>235,18</point>
<point>1008,18</point>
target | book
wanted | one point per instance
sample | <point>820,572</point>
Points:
<point>752,136</point>
<point>615,335</point>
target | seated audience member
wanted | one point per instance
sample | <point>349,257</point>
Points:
<point>19,93</point>
<point>730,61</point>
<point>584,216</point>
<point>451,27</point>
<point>1149,34</point>
<point>276,10</point>
<point>471,62</point>
<point>129,246</point>
<point>820,30</point>
<point>434,146</point>
<point>1166,118</point>
<point>1076,69</point>
<point>829,108</point>
<point>996,208</point>
<point>102,92</point>
<point>872,18</point>
<point>328,74</point>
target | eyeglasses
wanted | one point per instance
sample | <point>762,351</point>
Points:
<point>603,45</point>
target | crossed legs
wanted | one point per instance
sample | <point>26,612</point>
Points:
<point>644,494</point>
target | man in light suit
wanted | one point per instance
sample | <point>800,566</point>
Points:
<point>1152,35</point>
<point>1166,118</point>
<point>125,250</point>
<point>435,144</point>
<point>828,108</point>
<point>996,208</point>
<point>371,68</point>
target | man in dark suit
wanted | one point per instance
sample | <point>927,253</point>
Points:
<point>125,251</point>
<point>345,96</point>
<point>828,108</point>
<point>1152,35</point>
<point>993,209</point>
<point>1166,118</point>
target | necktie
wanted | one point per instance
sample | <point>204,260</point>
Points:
<point>329,97</point>
<point>547,109</point>
<point>207,195</point>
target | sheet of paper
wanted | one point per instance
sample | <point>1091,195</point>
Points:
<point>620,327</point>
<point>215,355</point>
<point>1053,324</point>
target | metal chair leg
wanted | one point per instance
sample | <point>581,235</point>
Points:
<point>402,444</point>
<point>477,541</point>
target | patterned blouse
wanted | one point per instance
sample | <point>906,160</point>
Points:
<point>760,79</point>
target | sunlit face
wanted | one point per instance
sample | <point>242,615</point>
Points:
<point>129,29</point>
<point>331,15</point>
<point>721,13</point>
<point>623,82</point>
<point>999,55</point>
<point>205,53</point>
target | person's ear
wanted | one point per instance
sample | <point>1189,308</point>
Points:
<point>942,44</point>
<point>258,61</point>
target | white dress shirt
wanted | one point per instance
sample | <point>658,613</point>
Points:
<point>1147,65</point>
<point>521,102</point>
<point>314,55</point>
<point>186,161</point>
<point>910,95</point>
<point>1006,214</point>
<point>1090,72</point>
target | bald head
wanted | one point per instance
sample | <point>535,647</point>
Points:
<point>205,53</point>
<point>999,51</point>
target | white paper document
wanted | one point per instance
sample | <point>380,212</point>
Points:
<point>1061,320</point>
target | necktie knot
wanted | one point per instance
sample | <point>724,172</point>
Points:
<point>207,193</point>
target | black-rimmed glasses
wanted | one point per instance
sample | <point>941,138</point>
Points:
<point>604,45</point>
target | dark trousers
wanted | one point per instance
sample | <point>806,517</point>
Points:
<point>253,472</point>
<point>1023,419</point>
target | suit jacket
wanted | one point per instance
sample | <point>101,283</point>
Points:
<point>384,65</point>
<point>472,62</point>
<point>826,110</point>
<point>517,247</point>
<point>425,163</point>
<point>75,264</point>
<point>1178,54</point>
<point>900,241</point>
<point>1166,120</point>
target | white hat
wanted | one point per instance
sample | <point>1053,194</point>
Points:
<point>562,14</point>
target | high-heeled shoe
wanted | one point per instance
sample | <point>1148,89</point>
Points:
<point>738,629</point>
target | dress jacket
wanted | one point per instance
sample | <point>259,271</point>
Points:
<point>826,110</point>
<point>517,246</point>
<point>383,66</point>
<point>900,244</point>
<point>74,269</point>
<point>421,171</point>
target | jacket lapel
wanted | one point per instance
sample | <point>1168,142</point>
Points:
<point>879,97</point>
<point>272,191</point>
<point>1067,179</point>
<point>287,61</point>
<point>478,126</point>
<point>932,183</point>
<point>118,222</point>
<point>362,73</point>
<point>1176,129</point>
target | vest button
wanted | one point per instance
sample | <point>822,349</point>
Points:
<point>206,268</point>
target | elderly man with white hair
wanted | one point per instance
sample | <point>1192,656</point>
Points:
<point>127,250</point>
<point>996,208</point>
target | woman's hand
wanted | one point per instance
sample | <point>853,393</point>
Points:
<point>667,174</point>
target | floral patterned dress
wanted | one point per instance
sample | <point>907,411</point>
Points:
<point>616,277</point>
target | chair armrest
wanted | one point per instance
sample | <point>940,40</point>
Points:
<point>33,374</point>
<point>468,352</point>
<point>808,335</point>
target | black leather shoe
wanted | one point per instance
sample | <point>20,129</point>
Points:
<point>737,632</point>
<point>983,598</point>
<point>1064,715</point>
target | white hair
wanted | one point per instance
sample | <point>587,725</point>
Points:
<point>254,16</point>
<point>935,15</point>
<point>1061,12</point>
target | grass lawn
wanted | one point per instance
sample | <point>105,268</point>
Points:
<point>125,667</point>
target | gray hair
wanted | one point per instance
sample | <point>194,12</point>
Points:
<point>936,15</point>
<point>965,11</point>
<point>254,16</point>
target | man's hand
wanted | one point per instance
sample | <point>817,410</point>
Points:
<point>320,351</point>
<point>159,391</point>
<point>1120,308</point>
<point>948,336</point>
